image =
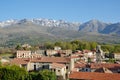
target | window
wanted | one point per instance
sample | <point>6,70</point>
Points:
<point>43,66</point>
<point>34,67</point>
<point>86,69</point>
<point>58,70</point>
<point>66,67</point>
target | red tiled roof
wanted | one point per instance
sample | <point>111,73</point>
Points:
<point>106,65</point>
<point>78,65</point>
<point>73,56</point>
<point>42,59</point>
<point>55,59</point>
<point>57,65</point>
<point>94,76</point>
<point>20,61</point>
<point>97,66</point>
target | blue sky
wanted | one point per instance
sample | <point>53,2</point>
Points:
<point>69,10</point>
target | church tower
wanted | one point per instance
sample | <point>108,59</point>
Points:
<point>99,54</point>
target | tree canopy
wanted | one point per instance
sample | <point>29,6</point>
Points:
<point>16,73</point>
<point>13,73</point>
<point>81,45</point>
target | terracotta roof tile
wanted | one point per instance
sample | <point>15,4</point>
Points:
<point>74,56</point>
<point>78,65</point>
<point>20,61</point>
<point>57,65</point>
<point>97,66</point>
<point>94,76</point>
<point>42,59</point>
<point>55,59</point>
<point>106,65</point>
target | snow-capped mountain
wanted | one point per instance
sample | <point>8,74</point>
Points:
<point>34,31</point>
<point>90,26</point>
<point>53,23</point>
<point>42,22</point>
<point>8,22</point>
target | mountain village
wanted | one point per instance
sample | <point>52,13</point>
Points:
<point>60,40</point>
<point>68,65</point>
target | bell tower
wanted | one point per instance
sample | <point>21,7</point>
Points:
<point>99,54</point>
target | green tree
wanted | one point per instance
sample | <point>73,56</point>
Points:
<point>46,75</point>
<point>74,46</point>
<point>18,47</point>
<point>93,45</point>
<point>58,43</point>
<point>68,45</point>
<point>13,73</point>
<point>107,48</point>
<point>34,75</point>
<point>111,60</point>
<point>117,49</point>
<point>49,45</point>
<point>87,46</point>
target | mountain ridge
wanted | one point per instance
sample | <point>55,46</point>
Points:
<point>41,22</point>
<point>34,31</point>
<point>89,26</point>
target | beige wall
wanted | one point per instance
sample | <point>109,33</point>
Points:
<point>23,54</point>
<point>51,52</point>
<point>117,56</point>
<point>60,72</point>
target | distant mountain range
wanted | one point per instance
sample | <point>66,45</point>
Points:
<point>42,22</point>
<point>100,27</point>
<point>35,31</point>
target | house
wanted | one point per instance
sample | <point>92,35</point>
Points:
<point>51,52</point>
<point>26,46</point>
<point>60,65</point>
<point>27,54</point>
<point>59,69</point>
<point>89,54</point>
<point>57,52</point>
<point>75,57</point>
<point>57,48</point>
<point>93,76</point>
<point>67,52</point>
<point>35,55</point>
<point>117,56</point>
<point>22,62</point>
<point>41,52</point>
<point>95,67</point>
<point>115,68</point>
<point>83,67</point>
<point>41,62</point>
<point>23,54</point>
